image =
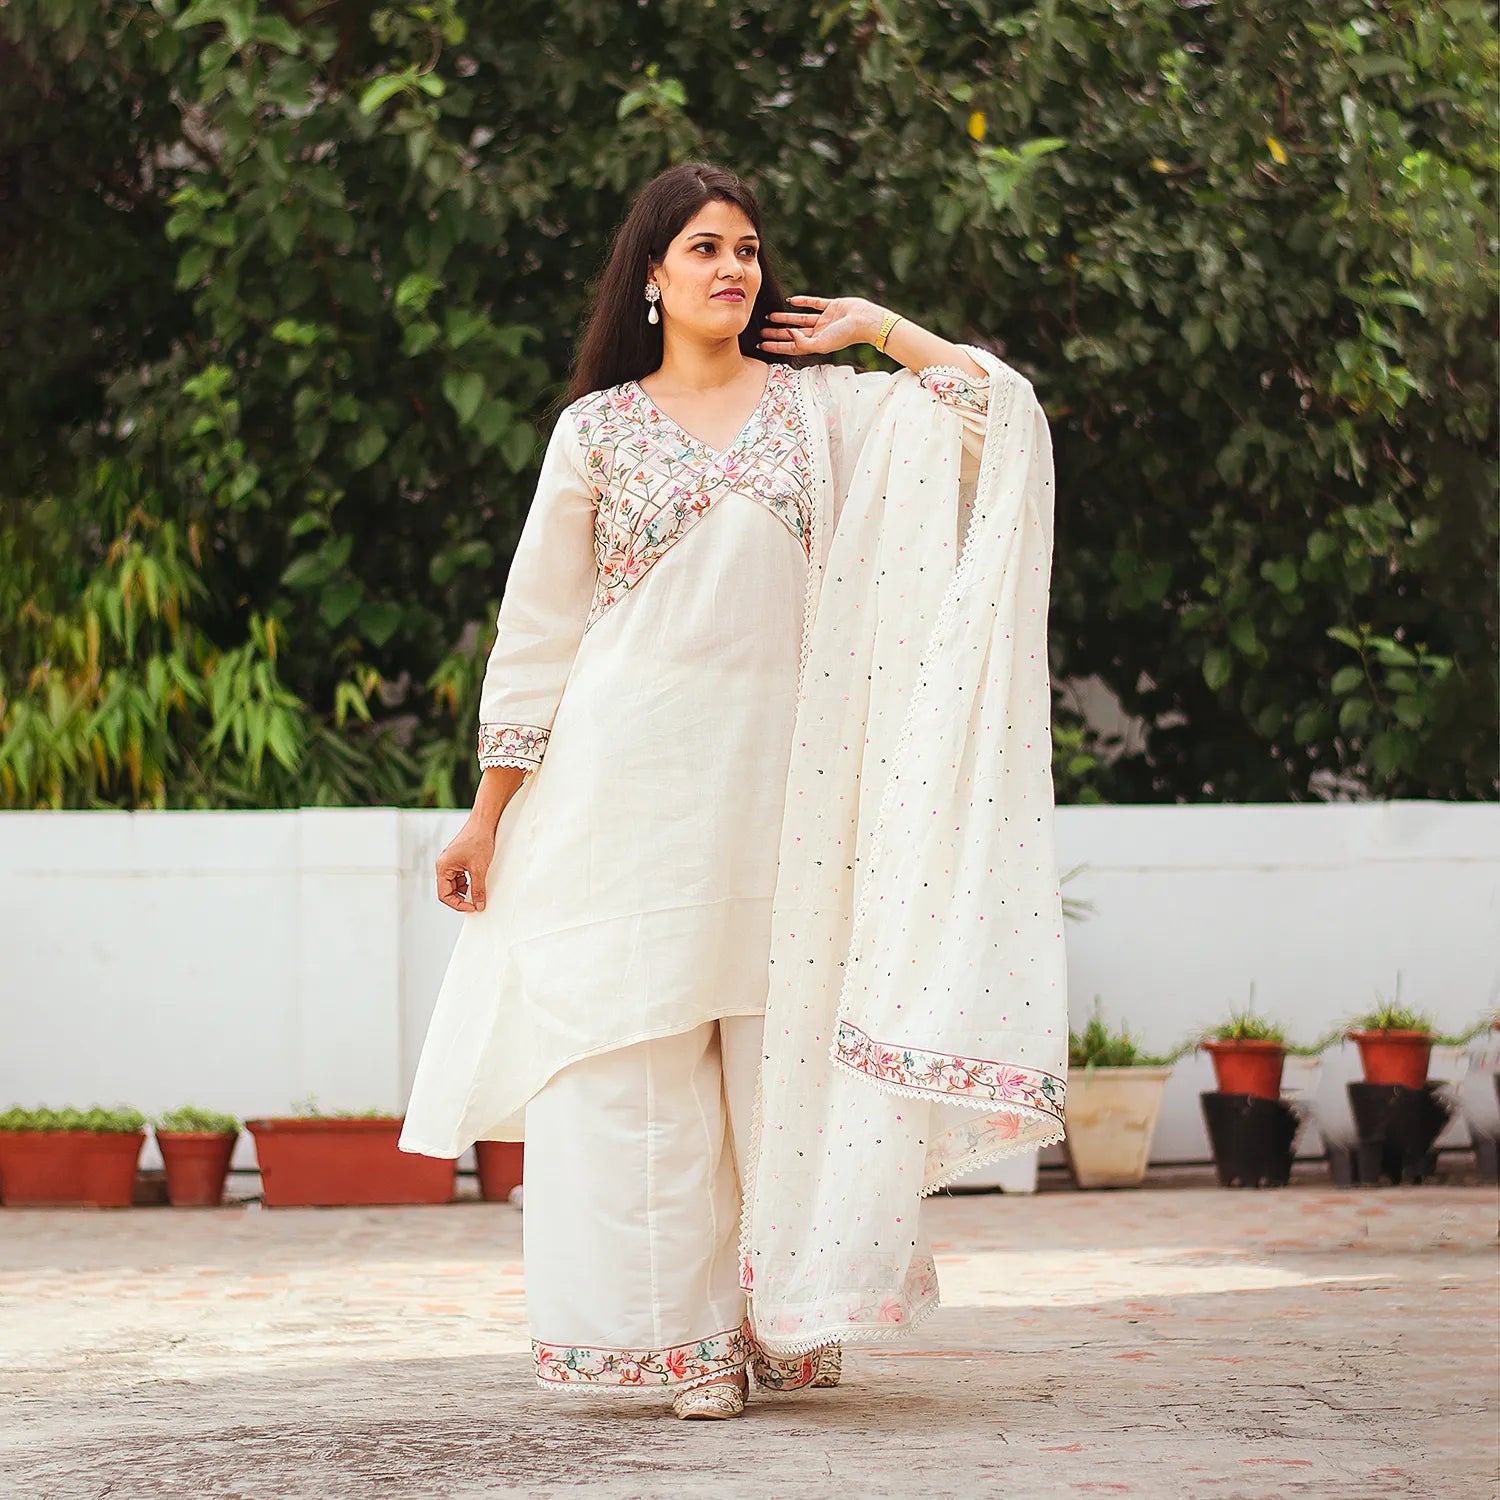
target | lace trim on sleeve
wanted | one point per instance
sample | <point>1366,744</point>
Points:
<point>954,387</point>
<point>518,745</point>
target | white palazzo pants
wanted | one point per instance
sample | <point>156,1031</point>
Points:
<point>634,1160</point>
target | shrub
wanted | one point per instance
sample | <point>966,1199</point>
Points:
<point>301,285</point>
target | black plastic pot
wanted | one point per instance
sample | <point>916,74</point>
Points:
<point>1251,1138</point>
<point>1395,1128</point>
<point>1486,1155</point>
<point>1487,1147</point>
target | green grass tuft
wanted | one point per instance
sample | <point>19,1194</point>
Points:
<point>190,1118</point>
<point>97,1119</point>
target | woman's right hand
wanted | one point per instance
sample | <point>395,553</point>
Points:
<point>464,866</point>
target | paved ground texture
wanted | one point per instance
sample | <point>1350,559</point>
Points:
<point>1177,1340</point>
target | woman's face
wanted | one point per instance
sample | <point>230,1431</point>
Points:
<point>710,276</point>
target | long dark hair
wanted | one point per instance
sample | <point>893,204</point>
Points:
<point>617,343</point>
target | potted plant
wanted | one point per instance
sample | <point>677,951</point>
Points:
<point>1395,1043</point>
<point>196,1145</point>
<point>500,1165</point>
<point>1114,1097</point>
<point>1399,1122</point>
<point>316,1160</point>
<point>66,1157</point>
<point>1248,1052</point>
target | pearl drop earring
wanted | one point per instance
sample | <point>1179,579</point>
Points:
<point>653,296</point>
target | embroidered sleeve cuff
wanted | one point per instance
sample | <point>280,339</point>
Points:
<point>955,388</point>
<point>520,745</point>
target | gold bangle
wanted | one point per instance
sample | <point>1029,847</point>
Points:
<point>889,322</point>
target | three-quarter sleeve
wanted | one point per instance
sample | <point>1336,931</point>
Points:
<point>543,612</point>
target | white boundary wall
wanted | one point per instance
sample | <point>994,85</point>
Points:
<point>246,960</point>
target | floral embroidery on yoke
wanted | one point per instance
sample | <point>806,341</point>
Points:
<point>944,1076</point>
<point>562,1364</point>
<point>653,482</point>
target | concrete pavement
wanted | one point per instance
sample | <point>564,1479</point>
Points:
<point>1177,1340</point>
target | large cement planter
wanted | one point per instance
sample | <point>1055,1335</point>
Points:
<point>1111,1117</point>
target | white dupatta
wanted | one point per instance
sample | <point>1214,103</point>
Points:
<point>917,1020</point>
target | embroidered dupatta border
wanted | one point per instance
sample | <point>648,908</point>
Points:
<point>946,1079</point>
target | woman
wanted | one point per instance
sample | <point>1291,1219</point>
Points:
<point>619,867</point>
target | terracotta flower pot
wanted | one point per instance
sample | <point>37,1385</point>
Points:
<point>197,1163</point>
<point>69,1168</point>
<point>500,1168</point>
<point>1248,1066</point>
<point>332,1163</point>
<point>109,1165</point>
<point>40,1168</point>
<point>1394,1056</point>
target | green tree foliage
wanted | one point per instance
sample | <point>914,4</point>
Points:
<point>291,289</point>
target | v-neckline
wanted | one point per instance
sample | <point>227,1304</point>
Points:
<point>715,454</point>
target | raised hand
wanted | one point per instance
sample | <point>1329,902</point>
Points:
<point>827,324</point>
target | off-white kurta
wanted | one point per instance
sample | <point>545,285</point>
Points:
<point>645,672</point>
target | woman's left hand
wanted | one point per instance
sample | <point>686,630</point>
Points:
<point>828,324</point>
